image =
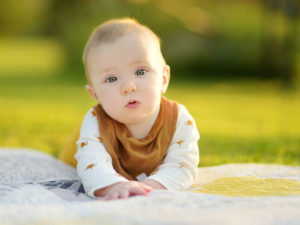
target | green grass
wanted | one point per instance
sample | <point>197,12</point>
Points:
<point>244,121</point>
<point>238,121</point>
<point>37,56</point>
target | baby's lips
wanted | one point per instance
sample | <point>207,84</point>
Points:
<point>132,104</point>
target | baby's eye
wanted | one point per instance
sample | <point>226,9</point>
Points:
<point>111,79</point>
<point>140,72</point>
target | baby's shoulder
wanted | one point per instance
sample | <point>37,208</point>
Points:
<point>186,124</point>
<point>91,114</point>
<point>90,122</point>
<point>183,113</point>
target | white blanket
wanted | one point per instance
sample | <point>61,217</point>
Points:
<point>35,188</point>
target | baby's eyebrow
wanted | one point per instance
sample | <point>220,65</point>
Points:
<point>108,69</point>
<point>138,62</point>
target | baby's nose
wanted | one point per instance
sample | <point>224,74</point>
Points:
<point>128,88</point>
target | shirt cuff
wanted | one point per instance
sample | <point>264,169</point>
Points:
<point>169,185</point>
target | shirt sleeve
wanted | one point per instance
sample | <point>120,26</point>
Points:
<point>94,164</point>
<point>179,168</point>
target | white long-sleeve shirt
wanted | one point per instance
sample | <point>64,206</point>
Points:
<point>177,172</point>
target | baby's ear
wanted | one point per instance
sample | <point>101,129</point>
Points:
<point>166,79</point>
<point>91,91</point>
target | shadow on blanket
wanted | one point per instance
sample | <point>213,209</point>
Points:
<point>25,171</point>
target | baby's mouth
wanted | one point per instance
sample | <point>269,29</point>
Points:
<point>132,104</point>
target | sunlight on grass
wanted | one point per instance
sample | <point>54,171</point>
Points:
<point>241,110</point>
<point>238,122</point>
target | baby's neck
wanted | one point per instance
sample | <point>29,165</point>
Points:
<point>141,130</point>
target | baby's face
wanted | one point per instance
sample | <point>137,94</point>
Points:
<point>128,77</point>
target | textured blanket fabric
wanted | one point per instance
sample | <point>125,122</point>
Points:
<point>35,188</point>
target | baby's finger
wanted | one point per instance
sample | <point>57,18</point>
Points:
<point>146,187</point>
<point>111,196</point>
<point>105,198</point>
<point>137,191</point>
<point>124,194</point>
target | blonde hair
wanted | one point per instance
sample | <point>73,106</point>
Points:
<point>109,32</point>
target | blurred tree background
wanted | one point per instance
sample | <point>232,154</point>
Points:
<point>239,60</point>
<point>248,38</point>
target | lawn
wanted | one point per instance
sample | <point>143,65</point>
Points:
<point>238,121</point>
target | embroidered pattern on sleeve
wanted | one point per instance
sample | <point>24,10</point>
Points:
<point>93,112</point>
<point>189,123</point>
<point>90,166</point>
<point>84,143</point>
<point>179,143</point>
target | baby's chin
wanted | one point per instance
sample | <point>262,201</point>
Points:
<point>130,121</point>
<point>136,117</point>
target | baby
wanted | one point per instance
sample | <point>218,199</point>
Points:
<point>135,140</point>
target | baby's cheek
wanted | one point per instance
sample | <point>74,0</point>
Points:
<point>108,98</point>
<point>111,108</point>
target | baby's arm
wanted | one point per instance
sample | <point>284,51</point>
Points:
<point>94,166</point>
<point>179,168</point>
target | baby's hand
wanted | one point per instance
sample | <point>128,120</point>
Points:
<point>123,190</point>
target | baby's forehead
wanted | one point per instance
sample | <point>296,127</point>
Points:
<point>139,42</point>
<point>114,30</point>
<point>137,35</point>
